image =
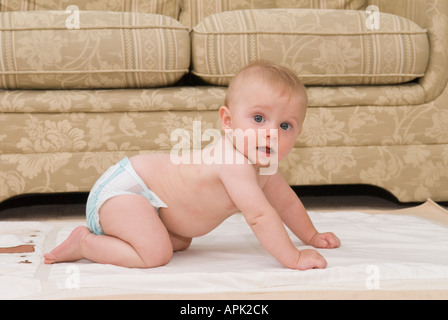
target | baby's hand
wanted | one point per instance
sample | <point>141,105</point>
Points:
<point>311,259</point>
<point>325,241</point>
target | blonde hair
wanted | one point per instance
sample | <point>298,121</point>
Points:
<point>275,75</point>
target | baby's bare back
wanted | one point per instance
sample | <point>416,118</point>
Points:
<point>196,198</point>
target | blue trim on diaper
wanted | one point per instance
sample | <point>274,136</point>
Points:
<point>94,226</point>
<point>93,205</point>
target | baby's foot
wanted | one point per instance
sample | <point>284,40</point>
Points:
<point>70,249</point>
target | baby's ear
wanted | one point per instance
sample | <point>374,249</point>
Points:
<point>224,114</point>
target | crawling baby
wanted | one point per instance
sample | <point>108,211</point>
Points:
<point>147,207</point>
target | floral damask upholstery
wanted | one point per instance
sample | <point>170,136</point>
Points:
<point>75,101</point>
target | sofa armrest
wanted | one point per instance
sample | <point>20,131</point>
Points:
<point>432,15</point>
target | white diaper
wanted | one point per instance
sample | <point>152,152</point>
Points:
<point>117,180</point>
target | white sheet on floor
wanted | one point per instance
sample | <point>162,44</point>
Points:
<point>18,270</point>
<point>379,251</point>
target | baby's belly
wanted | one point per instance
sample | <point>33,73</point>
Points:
<point>191,224</point>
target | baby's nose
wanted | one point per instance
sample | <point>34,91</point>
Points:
<point>272,133</point>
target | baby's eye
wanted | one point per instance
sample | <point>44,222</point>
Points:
<point>258,118</point>
<point>285,126</point>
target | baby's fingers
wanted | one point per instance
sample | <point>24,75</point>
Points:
<point>326,241</point>
<point>333,241</point>
<point>311,259</point>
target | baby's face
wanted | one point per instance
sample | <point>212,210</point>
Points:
<point>269,113</point>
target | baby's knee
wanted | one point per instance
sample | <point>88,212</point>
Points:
<point>179,243</point>
<point>164,258</point>
<point>182,245</point>
<point>157,259</point>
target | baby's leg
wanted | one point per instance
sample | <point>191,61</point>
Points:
<point>179,243</point>
<point>136,237</point>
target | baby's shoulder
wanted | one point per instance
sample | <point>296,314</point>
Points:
<point>238,175</point>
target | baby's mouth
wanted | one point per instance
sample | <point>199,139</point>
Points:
<point>266,150</point>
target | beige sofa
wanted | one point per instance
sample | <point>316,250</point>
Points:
<point>82,89</point>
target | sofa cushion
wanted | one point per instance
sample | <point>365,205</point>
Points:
<point>324,47</point>
<point>169,8</point>
<point>194,11</point>
<point>47,50</point>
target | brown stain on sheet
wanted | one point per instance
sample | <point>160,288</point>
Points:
<point>19,249</point>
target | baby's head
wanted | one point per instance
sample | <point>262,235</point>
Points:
<point>266,96</point>
<point>276,76</point>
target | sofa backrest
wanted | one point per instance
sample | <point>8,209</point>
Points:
<point>194,11</point>
<point>428,14</point>
<point>324,47</point>
<point>169,8</point>
<point>189,12</point>
<point>433,16</point>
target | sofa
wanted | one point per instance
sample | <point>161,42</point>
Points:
<point>86,83</point>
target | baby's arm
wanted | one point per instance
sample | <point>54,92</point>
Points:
<point>294,214</point>
<point>242,187</point>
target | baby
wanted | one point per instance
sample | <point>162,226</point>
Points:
<point>147,207</point>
